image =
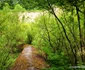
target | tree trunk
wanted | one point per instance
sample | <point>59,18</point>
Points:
<point>80,34</point>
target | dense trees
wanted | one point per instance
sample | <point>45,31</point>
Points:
<point>11,35</point>
<point>27,4</point>
<point>61,36</point>
<point>76,8</point>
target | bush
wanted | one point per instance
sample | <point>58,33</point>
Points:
<point>58,61</point>
<point>19,8</point>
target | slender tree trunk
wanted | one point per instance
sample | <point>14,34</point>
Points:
<point>74,39</point>
<point>84,23</point>
<point>84,30</point>
<point>80,34</point>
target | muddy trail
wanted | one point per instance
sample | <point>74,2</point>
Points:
<point>29,59</point>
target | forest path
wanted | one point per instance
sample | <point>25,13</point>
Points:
<point>29,59</point>
<point>27,52</point>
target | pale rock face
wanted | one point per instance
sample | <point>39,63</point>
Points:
<point>29,16</point>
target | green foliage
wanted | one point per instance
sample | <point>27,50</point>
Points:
<point>53,48</point>
<point>6,58</point>
<point>12,33</point>
<point>19,8</point>
<point>59,36</point>
<point>58,61</point>
<point>6,7</point>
